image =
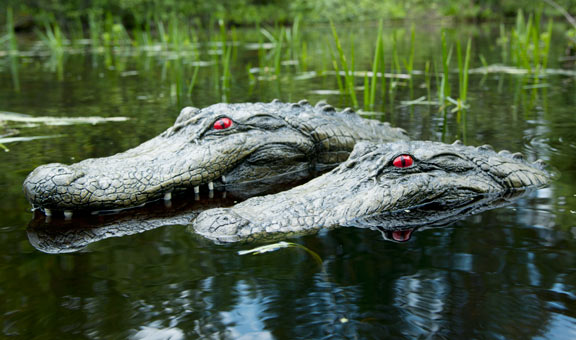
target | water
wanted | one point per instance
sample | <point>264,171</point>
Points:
<point>506,273</point>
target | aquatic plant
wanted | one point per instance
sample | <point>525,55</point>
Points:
<point>10,36</point>
<point>444,83</point>
<point>346,66</point>
<point>409,62</point>
<point>227,48</point>
<point>52,37</point>
<point>370,88</point>
<point>427,76</point>
<point>94,29</point>
<point>463,68</point>
<point>529,45</point>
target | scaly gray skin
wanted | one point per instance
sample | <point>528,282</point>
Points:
<point>369,191</point>
<point>264,141</point>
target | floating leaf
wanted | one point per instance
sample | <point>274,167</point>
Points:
<point>57,121</point>
<point>280,245</point>
<point>25,139</point>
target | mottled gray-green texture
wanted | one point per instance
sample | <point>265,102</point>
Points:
<point>265,140</point>
<point>369,184</point>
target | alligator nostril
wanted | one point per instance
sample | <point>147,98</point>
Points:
<point>48,178</point>
<point>61,174</point>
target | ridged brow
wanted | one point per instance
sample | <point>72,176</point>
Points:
<point>258,119</point>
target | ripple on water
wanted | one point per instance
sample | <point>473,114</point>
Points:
<point>421,298</point>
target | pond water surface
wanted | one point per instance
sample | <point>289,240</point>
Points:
<point>508,273</point>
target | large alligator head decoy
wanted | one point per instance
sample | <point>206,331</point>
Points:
<point>217,146</point>
<point>390,187</point>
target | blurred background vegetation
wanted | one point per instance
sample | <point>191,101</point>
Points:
<point>32,13</point>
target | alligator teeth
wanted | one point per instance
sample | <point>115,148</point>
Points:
<point>457,142</point>
<point>48,212</point>
<point>68,214</point>
<point>223,179</point>
<point>210,186</point>
<point>211,194</point>
<point>196,189</point>
<point>196,196</point>
<point>304,102</point>
<point>224,194</point>
<point>168,196</point>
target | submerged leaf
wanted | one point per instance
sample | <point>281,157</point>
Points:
<point>280,245</point>
<point>265,249</point>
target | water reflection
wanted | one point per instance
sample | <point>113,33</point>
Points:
<point>504,273</point>
<point>485,276</point>
<point>61,234</point>
<point>57,235</point>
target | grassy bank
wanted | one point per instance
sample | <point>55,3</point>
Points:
<point>134,13</point>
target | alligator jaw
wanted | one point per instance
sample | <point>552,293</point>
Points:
<point>105,207</point>
<point>145,174</point>
<point>222,143</point>
<point>139,176</point>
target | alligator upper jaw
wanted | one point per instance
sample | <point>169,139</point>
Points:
<point>130,179</point>
<point>142,175</point>
<point>100,195</point>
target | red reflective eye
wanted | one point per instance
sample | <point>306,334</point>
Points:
<point>403,161</point>
<point>222,123</point>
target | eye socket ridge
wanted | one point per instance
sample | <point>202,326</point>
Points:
<point>403,161</point>
<point>222,123</point>
<point>448,155</point>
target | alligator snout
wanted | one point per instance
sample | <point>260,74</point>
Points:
<point>221,224</point>
<point>49,180</point>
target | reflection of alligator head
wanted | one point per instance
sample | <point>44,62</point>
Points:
<point>399,225</point>
<point>64,236</point>
<point>393,187</point>
<point>221,145</point>
<point>59,235</point>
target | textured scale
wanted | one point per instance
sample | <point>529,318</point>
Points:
<point>205,145</point>
<point>369,191</point>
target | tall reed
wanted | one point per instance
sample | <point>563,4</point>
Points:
<point>370,87</point>
<point>52,37</point>
<point>463,68</point>
<point>11,35</point>
<point>347,67</point>
<point>529,45</point>
<point>444,86</point>
<point>409,63</point>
